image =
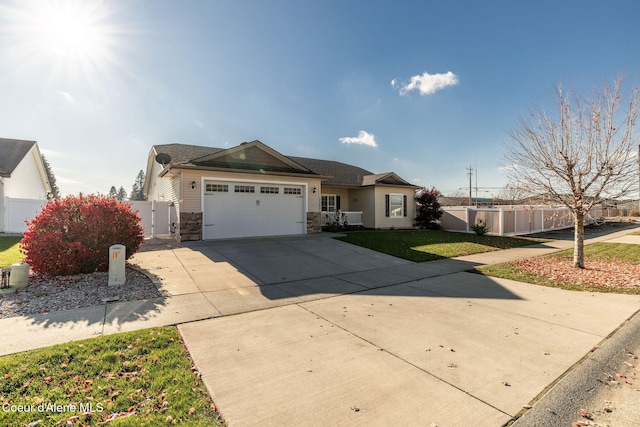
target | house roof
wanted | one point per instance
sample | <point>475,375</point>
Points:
<point>340,173</point>
<point>12,151</point>
<point>181,153</point>
<point>336,173</point>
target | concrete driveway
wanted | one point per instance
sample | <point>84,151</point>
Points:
<point>314,331</point>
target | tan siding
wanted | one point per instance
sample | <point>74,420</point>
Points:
<point>191,201</point>
<point>381,221</point>
<point>364,200</point>
<point>161,189</point>
<point>338,191</point>
<point>191,198</point>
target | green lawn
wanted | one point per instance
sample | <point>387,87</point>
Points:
<point>130,379</point>
<point>609,252</point>
<point>10,250</point>
<point>429,245</point>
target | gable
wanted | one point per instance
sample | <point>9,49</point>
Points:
<point>12,151</point>
<point>251,156</point>
<point>389,178</point>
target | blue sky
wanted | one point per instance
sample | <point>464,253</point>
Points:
<point>421,88</point>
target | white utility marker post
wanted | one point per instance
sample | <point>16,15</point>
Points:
<point>117,255</point>
<point>19,275</point>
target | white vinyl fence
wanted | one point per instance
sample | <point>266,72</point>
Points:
<point>17,211</point>
<point>156,216</point>
<point>512,220</point>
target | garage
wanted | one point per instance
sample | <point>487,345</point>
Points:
<point>248,209</point>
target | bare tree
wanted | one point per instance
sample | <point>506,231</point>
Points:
<point>511,194</point>
<point>579,153</point>
<point>454,198</point>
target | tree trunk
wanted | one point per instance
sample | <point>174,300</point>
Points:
<point>578,240</point>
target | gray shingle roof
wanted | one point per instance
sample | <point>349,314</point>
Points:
<point>12,151</point>
<point>181,153</point>
<point>340,173</point>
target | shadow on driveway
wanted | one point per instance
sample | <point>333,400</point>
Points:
<point>250,274</point>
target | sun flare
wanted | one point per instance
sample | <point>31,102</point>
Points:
<point>72,32</point>
<point>66,36</point>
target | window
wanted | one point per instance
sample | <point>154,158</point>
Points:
<point>330,203</point>
<point>245,189</point>
<point>396,205</point>
<point>269,190</point>
<point>217,188</point>
<point>288,190</point>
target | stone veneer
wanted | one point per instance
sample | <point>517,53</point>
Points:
<point>190,226</point>
<point>314,223</point>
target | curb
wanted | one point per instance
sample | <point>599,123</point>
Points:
<point>584,380</point>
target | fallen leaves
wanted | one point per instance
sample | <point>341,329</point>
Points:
<point>596,274</point>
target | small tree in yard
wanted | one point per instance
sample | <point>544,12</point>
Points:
<point>428,208</point>
<point>580,153</point>
<point>73,235</point>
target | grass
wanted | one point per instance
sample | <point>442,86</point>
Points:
<point>610,252</point>
<point>429,245</point>
<point>130,379</point>
<point>10,250</point>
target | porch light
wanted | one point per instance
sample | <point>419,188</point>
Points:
<point>313,190</point>
<point>193,185</point>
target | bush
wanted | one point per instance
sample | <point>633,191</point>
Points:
<point>480,228</point>
<point>73,235</point>
<point>428,208</point>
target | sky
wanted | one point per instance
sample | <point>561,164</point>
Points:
<point>425,88</point>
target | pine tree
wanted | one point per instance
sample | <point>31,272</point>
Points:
<point>113,192</point>
<point>137,190</point>
<point>55,191</point>
<point>122,194</point>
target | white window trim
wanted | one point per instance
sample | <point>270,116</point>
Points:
<point>304,185</point>
<point>401,205</point>
<point>335,201</point>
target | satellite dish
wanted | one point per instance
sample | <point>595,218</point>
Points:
<point>163,158</point>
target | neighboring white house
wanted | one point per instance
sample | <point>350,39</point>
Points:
<point>252,190</point>
<point>23,177</point>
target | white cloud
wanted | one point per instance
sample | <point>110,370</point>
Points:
<point>66,95</point>
<point>363,138</point>
<point>427,83</point>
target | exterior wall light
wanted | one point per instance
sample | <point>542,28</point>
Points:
<point>193,185</point>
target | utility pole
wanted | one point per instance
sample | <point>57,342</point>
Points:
<point>476,183</point>
<point>470,173</point>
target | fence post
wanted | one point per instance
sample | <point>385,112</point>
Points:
<point>466,220</point>
<point>153,219</point>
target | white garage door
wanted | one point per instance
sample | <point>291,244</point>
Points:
<point>240,209</point>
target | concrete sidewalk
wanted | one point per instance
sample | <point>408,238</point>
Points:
<point>314,331</point>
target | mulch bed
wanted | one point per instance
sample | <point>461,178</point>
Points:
<point>46,294</point>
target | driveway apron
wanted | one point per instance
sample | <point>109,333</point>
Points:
<point>319,332</point>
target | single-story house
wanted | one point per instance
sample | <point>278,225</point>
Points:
<point>253,190</point>
<point>22,174</point>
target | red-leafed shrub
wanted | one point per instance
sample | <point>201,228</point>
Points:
<point>73,235</point>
